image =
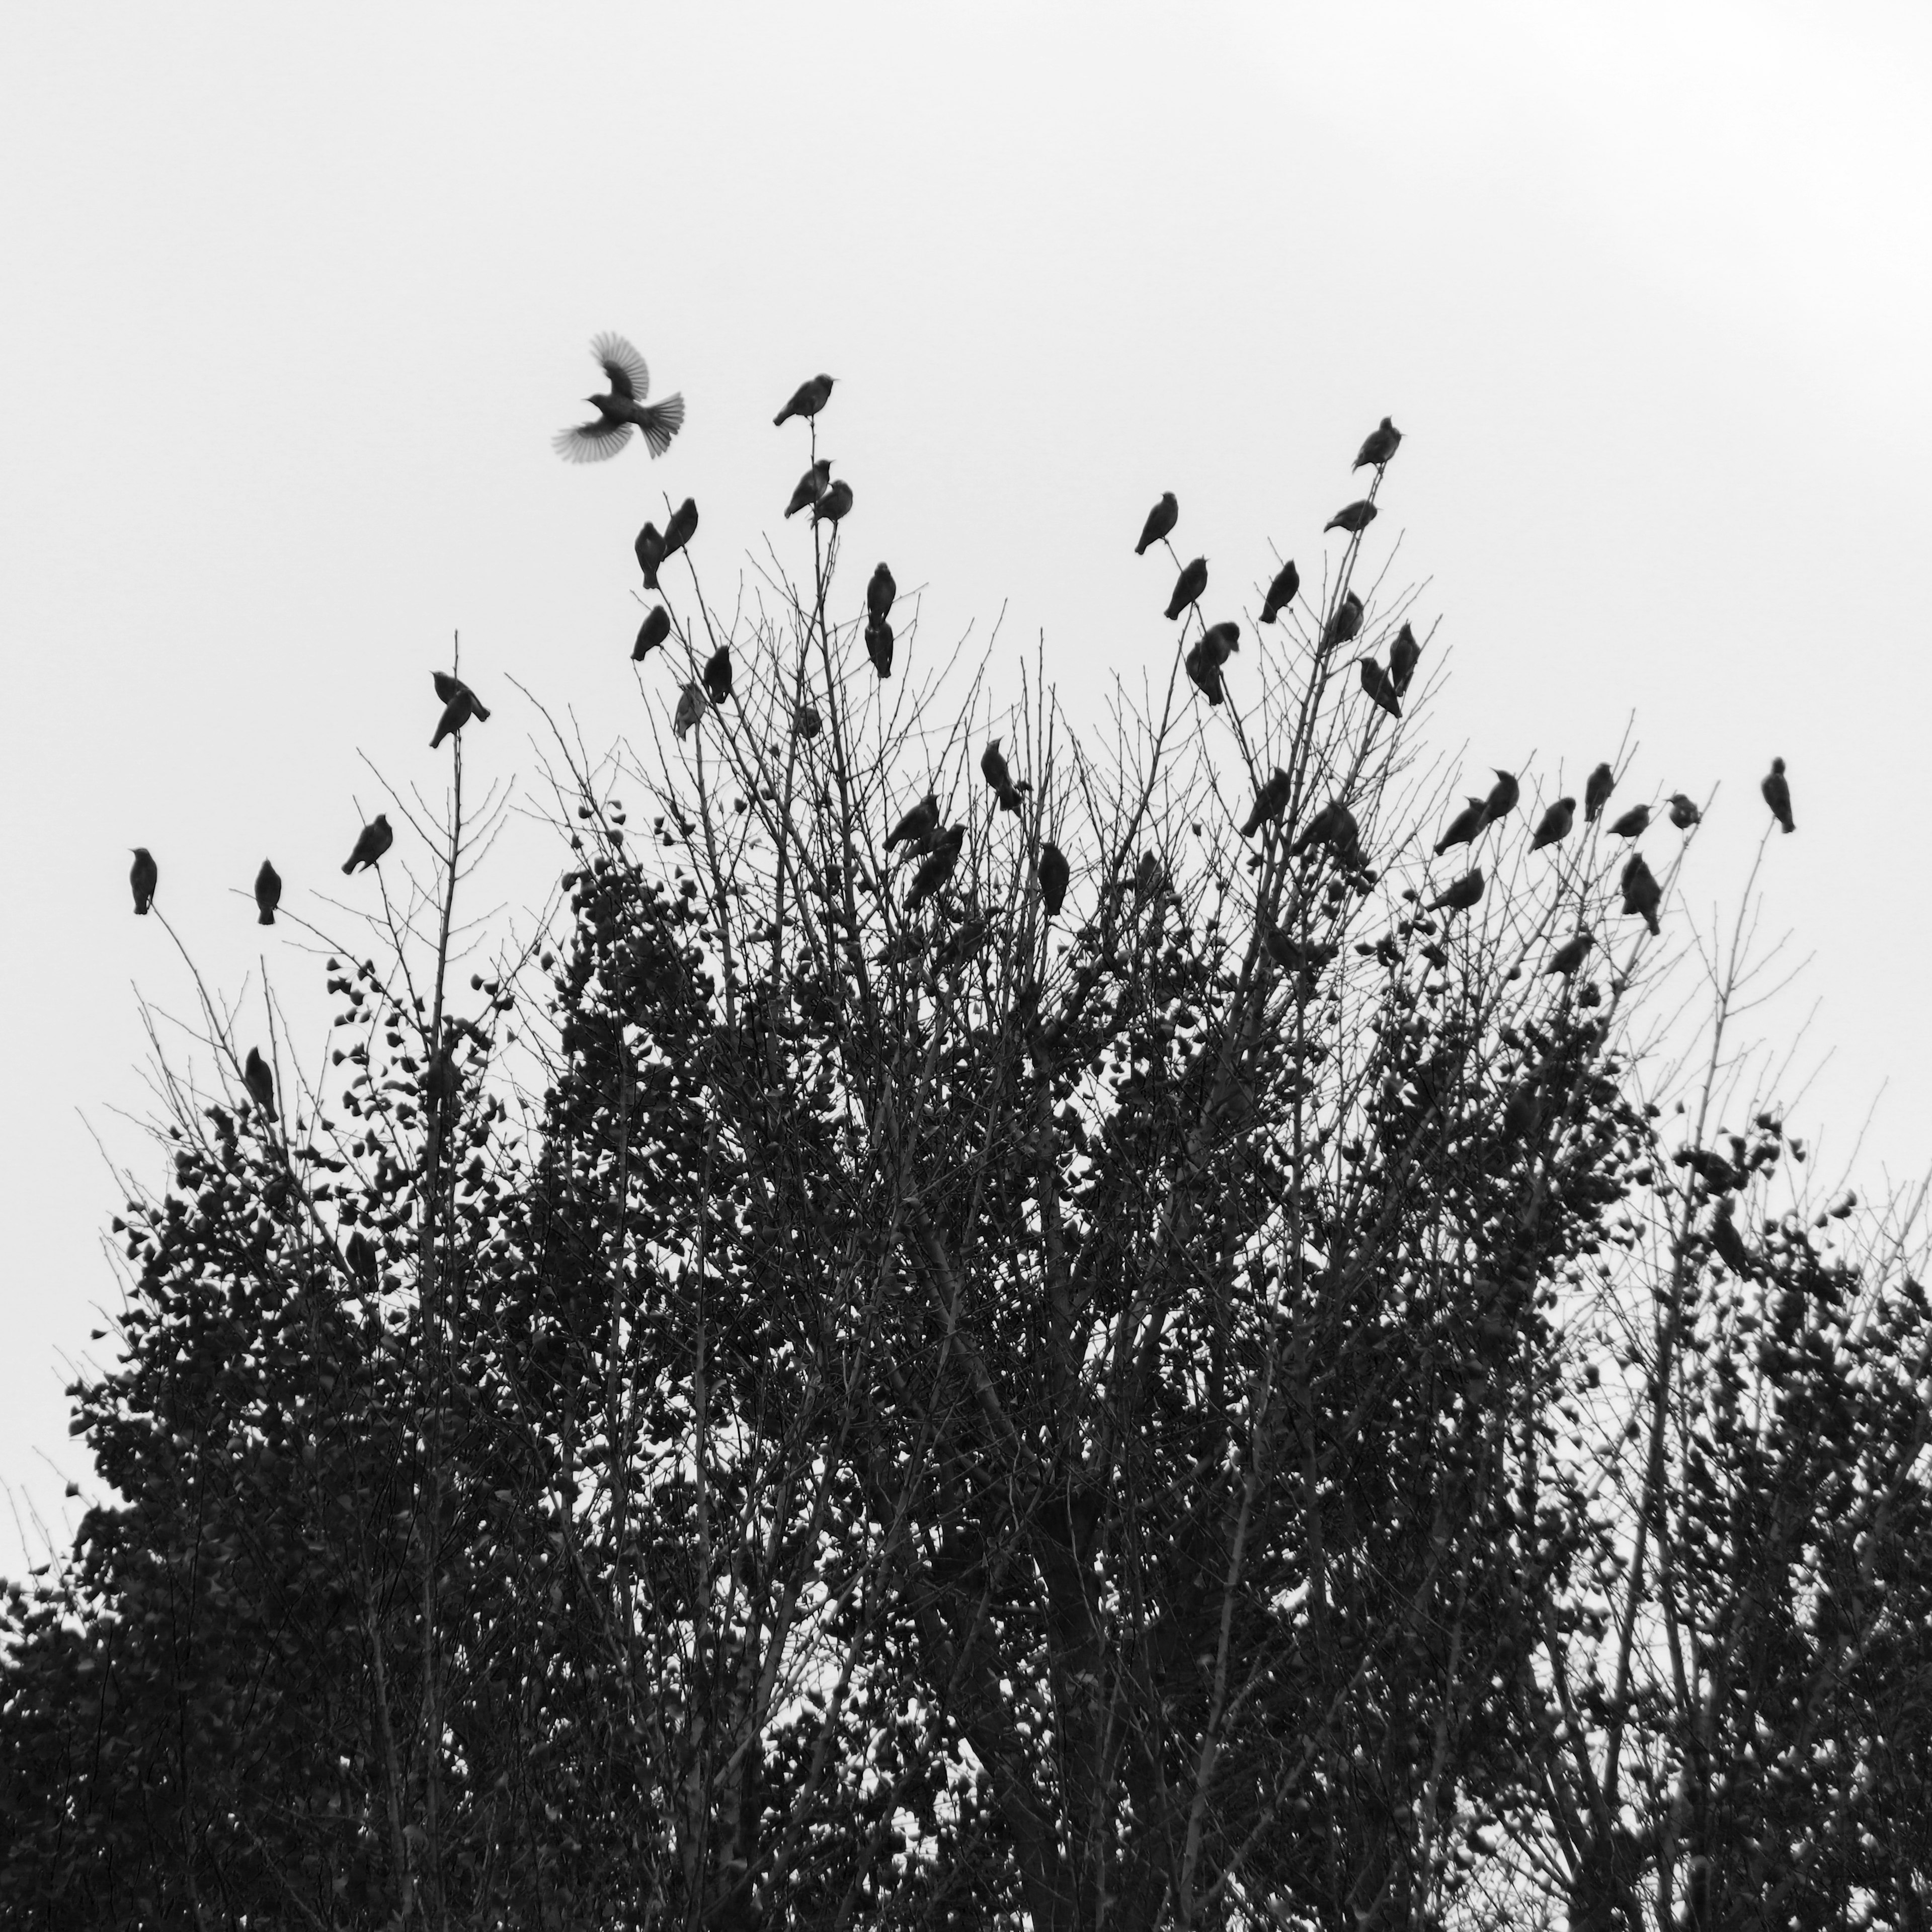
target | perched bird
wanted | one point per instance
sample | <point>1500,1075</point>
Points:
<point>1462,830</point>
<point>268,894</point>
<point>649,548</point>
<point>718,674</point>
<point>1160,519</point>
<point>680,527</point>
<point>459,707</point>
<point>918,825</point>
<point>879,645</point>
<point>1147,877</point>
<point>691,707</point>
<point>1503,795</point>
<point>374,839</point>
<point>1334,826</point>
<point>1352,517</point>
<point>1380,686</point>
<point>1570,955</point>
<point>442,1079</point>
<point>810,486</point>
<point>1288,952</point>
<point>879,592</point>
<point>1684,812</point>
<point>1633,824</point>
<point>1404,654</point>
<point>1554,824</point>
<point>651,633</point>
<point>259,1082</point>
<point>1281,592</point>
<point>1382,444</point>
<point>1270,802</point>
<point>834,504</point>
<point>806,721</point>
<point>1188,586</point>
<point>1597,792</point>
<point>993,764</point>
<point>936,867</point>
<point>1055,873</point>
<point>623,407</point>
<point>807,399</point>
<point>1777,795</point>
<point>1642,895</point>
<point>1345,622</point>
<point>1729,1243</point>
<point>1464,893</point>
<point>143,875</point>
<point>1203,663</point>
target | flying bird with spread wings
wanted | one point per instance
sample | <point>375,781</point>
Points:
<point>623,409</point>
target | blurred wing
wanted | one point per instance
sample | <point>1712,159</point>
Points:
<point>629,378</point>
<point>661,422</point>
<point>591,442</point>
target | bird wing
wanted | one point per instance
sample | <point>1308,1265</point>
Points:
<point>591,442</point>
<point>661,422</point>
<point>629,377</point>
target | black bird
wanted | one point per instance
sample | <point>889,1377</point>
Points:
<point>834,504</point>
<point>442,1079</point>
<point>879,593</point>
<point>1220,641</point>
<point>1729,1243</point>
<point>1403,655</point>
<point>1570,955</point>
<point>1188,586</point>
<point>1382,444</point>
<point>1633,824</point>
<point>459,707</point>
<point>1642,893</point>
<point>680,527</point>
<point>1777,795</point>
<point>807,399</point>
<point>143,875</point>
<point>918,825</point>
<point>879,645</point>
<point>622,409</point>
<point>718,675</point>
<point>268,894</point>
<point>691,707</point>
<point>1288,952</point>
<point>374,841</point>
<point>1346,621</point>
<point>1203,666</point>
<point>1055,873</point>
<point>1270,802</point>
<point>1334,826</point>
<point>810,486</point>
<point>649,548</point>
<point>1462,830</point>
<point>1380,686</point>
<point>1554,824</point>
<point>1503,795</point>
<point>259,1082</point>
<point>938,867</point>
<point>1352,517</point>
<point>1281,592</point>
<point>651,633</point>
<point>1684,812</point>
<point>1161,519</point>
<point>1464,893</point>
<point>1147,877</point>
<point>1597,793</point>
<point>993,764</point>
<point>806,721</point>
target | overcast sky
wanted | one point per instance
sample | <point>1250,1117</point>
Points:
<point>293,303</point>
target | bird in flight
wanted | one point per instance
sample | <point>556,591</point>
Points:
<point>621,410</point>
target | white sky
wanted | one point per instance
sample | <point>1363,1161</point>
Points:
<point>293,306</point>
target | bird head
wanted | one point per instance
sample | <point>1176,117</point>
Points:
<point>1507,777</point>
<point>1567,804</point>
<point>1777,767</point>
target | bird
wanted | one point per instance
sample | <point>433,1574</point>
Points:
<point>879,592</point>
<point>1777,795</point>
<point>1345,622</point>
<point>649,548</point>
<point>1597,791</point>
<point>806,721</point>
<point>1055,873</point>
<point>1462,828</point>
<point>833,505</point>
<point>1729,1243</point>
<point>374,839</point>
<point>718,674</point>
<point>918,825</point>
<point>993,764</point>
<point>1353,517</point>
<point>143,875</point>
<point>807,399</point>
<point>1188,586</point>
<point>268,894</point>
<point>442,1079</point>
<point>1554,824</point>
<point>1203,663</point>
<point>1642,893</point>
<point>1570,955</point>
<point>936,867</point>
<point>691,707</point>
<point>459,705</point>
<point>1270,802</point>
<point>259,1082</point>
<point>623,407</point>
<point>1502,798</point>
<point>1684,812</point>
<point>810,486</point>
<point>1380,686</point>
<point>879,645</point>
<point>1382,444</point>
<point>1632,824</point>
<point>1160,519</point>
<point>1464,893</point>
<point>680,527</point>
<point>1281,592</point>
<point>1334,826</point>
<point>651,633</point>
<point>1403,655</point>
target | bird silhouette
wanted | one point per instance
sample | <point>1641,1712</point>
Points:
<point>1463,894</point>
<point>1188,586</point>
<point>918,825</point>
<point>1271,801</point>
<point>1777,795</point>
<point>807,399</point>
<point>1643,896</point>
<point>1352,517</point>
<point>1054,875</point>
<point>810,486</point>
<point>806,721</point>
<point>1633,824</point>
<point>1684,812</point>
<point>680,527</point>
<point>718,674</point>
<point>622,409</point>
<point>879,592</point>
<point>143,875</point>
<point>1383,443</point>
<point>651,633</point>
<point>374,839</point>
<point>1597,793</point>
<point>1334,826</point>
<point>650,548</point>
<point>936,867</point>
<point>1729,1243</point>
<point>268,894</point>
<point>1380,686</point>
<point>1160,519</point>
<point>259,1082</point>
<point>691,707</point>
<point>1502,798</point>
<point>1554,824</point>
<point>1462,828</point>
<point>1570,955</point>
<point>834,504</point>
<point>459,704</point>
<point>993,764</point>
<point>1345,622</point>
<point>1403,655</point>
<point>1207,654</point>
<point>1281,592</point>
<point>879,645</point>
